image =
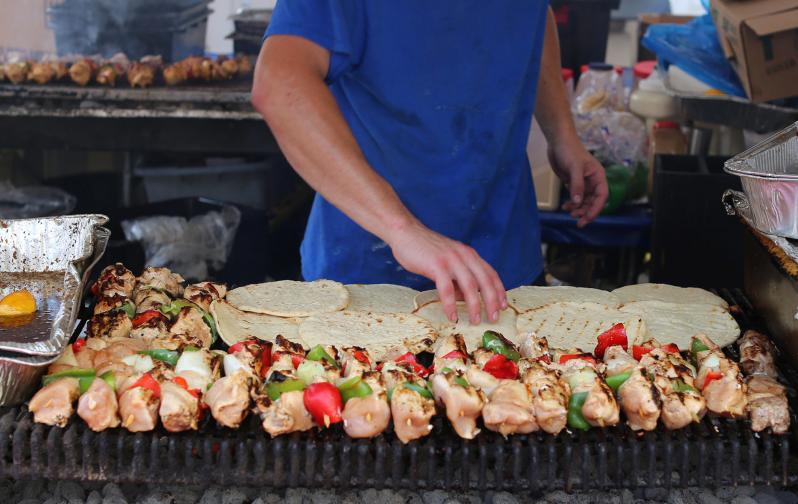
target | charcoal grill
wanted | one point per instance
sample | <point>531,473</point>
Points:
<point>713,453</point>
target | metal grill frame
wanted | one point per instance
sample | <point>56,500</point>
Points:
<point>716,452</point>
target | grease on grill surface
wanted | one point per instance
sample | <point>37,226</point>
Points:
<point>48,290</point>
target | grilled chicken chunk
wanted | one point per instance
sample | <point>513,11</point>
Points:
<point>618,361</point>
<point>369,416</point>
<point>138,408</point>
<point>149,299</point>
<point>286,415</point>
<point>179,410</point>
<point>600,408</point>
<point>533,348</point>
<point>640,401</point>
<point>510,409</point>
<point>114,280</point>
<point>154,328</point>
<point>550,394</point>
<point>113,324</point>
<point>161,278</point>
<point>450,352</point>
<point>229,399</point>
<point>674,378</point>
<point>720,381</point>
<point>107,303</point>
<point>189,321</point>
<point>482,380</point>
<point>54,403</point>
<point>355,361</point>
<point>98,407</point>
<point>463,404</point>
<point>115,350</point>
<point>204,293</point>
<point>756,354</point>
<point>767,404</point>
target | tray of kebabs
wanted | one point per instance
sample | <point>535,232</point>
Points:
<point>120,71</point>
<point>375,359</point>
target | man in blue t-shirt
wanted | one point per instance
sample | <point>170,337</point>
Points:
<point>410,118</point>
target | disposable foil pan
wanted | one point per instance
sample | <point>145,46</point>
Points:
<point>20,373</point>
<point>51,257</point>
<point>769,176</point>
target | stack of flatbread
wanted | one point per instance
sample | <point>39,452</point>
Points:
<point>378,317</point>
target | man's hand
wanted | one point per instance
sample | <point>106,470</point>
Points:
<point>584,177</point>
<point>456,269</point>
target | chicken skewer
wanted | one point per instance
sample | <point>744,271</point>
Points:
<point>767,398</point>
<point>366,412</point>
<point>756,354</point>
<point>718,378</point>
<point>244,366</point>
<point>462,401</point>
<point>412,404</point>
<point>592,401</point>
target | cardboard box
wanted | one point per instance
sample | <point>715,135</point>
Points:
<point>760,38</point>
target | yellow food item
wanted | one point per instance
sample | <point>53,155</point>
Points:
<point>19,302</point>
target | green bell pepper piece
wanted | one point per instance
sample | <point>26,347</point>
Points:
<point>129,308</point>
<point>697,346</point>
<point>493,342</point>
<point>575,418</point>
<point>354,387</point>
<point>69,373</point>
<point>461,381</point>
<point>615,381</point>
<point>318,353</point>
<point>680,386</point>
<point>168,356</point>
<point>276,389</point>
<point>110,379</point>
<point>422,391</point>
<point>447,370</point>
<point>190,348</point>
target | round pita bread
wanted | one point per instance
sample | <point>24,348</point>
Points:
<point>529,297</point>
<point>678,323</point>
<point>289,298</point>
<point>235,325</point>
<point>383,298</point>
<point>425,297</point>
<point>472,334</point>
<point>568,325</point>
<point>668,294</point>
<point>385,335</point>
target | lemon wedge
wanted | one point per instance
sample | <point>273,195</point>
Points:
<point>17,303</point>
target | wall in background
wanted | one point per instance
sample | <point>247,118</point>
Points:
<point>220,25</point>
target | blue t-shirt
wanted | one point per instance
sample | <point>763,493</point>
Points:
<point>439,95</point>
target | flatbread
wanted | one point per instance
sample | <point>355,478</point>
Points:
<point>528,297</point>
<point>289,298</point>
<point>678,322</point>
<point>385,335</point>
<point>235,325</point>
<point>383,298</point>
<point>668,294</point>
<point>568,324</point>
<point>472,334</point>
<point>425,297</point>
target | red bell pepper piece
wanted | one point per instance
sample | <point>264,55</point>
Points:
<point>501,367</point>
<point>585,357</point>
<point>455,354</point>
<point>711,376</point>
<point>180,381</point>
<point>324,403</point>
<point>639,351</point>
<point>265,357</point>
<point>615,335</point>
<point>144,317</point>
<point>296,359</point>
<point>241,345</point>
<point>78,344</point>
<point>670,348</point>
<point>410,359</point>
<point>148,382</point>
<point>361,357</point>
<point>543,358</point>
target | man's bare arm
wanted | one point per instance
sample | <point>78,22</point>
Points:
<point>582,174</point>
<point>290,92</point>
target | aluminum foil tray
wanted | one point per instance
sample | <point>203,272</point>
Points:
<point>51,257</point>
<point>769,176</point>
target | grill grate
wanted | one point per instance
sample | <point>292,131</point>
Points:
<point>713,453</point>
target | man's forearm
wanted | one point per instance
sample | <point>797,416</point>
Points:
<point>315,138</point>
<point>552,109</point>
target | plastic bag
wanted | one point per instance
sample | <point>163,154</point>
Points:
<point>694,47</point>
<point>188,247</point>
<point>34,201</point>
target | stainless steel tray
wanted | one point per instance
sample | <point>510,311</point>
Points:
<point>769,176</point>
<point>51,257</point>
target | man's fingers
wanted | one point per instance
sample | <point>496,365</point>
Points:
<point>443,282</point>
<point>597,183</point>
<point>490,282</point>
<point>468,284</point>
<point>577,184</point>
